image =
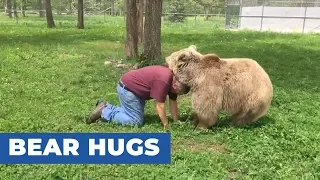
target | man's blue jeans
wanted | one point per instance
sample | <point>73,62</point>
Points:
<point>131,111</point>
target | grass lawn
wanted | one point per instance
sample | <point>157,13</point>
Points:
<point>51,78</point>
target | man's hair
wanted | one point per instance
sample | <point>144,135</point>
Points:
<point>181,88</point>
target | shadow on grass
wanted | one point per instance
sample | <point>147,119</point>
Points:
<point>263,121</point>
<point>154,119</point>
<point>221,123</point>
<point>63,37</point>
<point>291,60</point>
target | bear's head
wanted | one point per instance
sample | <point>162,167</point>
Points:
<point>187,64</point>
<point>179,58</point>
<point>190,55</point>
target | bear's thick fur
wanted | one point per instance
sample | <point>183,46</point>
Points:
<point>238,86</point>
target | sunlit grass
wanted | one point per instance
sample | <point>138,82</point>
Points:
<point>50,80</point>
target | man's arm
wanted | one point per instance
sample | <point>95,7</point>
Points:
<point>159,92</point>
<point>174,109</point>
<point>162,114</point>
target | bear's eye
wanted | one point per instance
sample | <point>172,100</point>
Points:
<point>182,65</point>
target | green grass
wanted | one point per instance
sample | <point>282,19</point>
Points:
<point>51,78</point>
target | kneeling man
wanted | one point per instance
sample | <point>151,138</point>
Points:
<point>134,88</point>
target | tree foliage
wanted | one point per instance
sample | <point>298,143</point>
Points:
<point>177,6</point>
<point>94,6</point>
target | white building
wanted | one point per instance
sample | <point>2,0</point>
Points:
<point>275,15</point>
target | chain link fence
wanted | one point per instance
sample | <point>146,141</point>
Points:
<point>261,15</point>
<point>204,20</point>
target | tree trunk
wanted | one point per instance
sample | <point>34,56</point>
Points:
<point>5,5</point>
<point>70,7</point>
<point>49,15</point>
<point>23,8</point>
<point>140,9</point>
<point>59,7</point>
<point>112,7</point>
<point>15,8</point>
<point>41,7</point>
<point>152,30</point>
<point>80,15</point>
<point>9,8</point>
<point>131,27</point>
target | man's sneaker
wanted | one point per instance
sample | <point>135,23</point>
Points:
<point>96,113</point>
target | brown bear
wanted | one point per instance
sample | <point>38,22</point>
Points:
<point>238,86</point>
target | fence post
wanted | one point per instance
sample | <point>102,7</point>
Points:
<point>262,15</point>
<point>304,18</point>
<point>226,14</point>
<point>195,20</point>
<point>240,13</point>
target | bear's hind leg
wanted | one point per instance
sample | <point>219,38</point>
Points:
<point>248,117</point>
<point>255,114</point>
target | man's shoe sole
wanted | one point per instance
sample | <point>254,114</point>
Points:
<point>96,114</point>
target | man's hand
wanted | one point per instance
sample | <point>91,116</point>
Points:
<point>162,114</point>
<point>174,110</point>
<point>166,127</point>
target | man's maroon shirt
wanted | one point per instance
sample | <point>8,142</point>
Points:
<point>151,82</point>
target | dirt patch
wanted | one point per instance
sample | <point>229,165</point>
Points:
<point>197,146</point>
<point>233,174</point>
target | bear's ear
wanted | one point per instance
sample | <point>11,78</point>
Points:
<point>210,57</point>
<point>192,47</point>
